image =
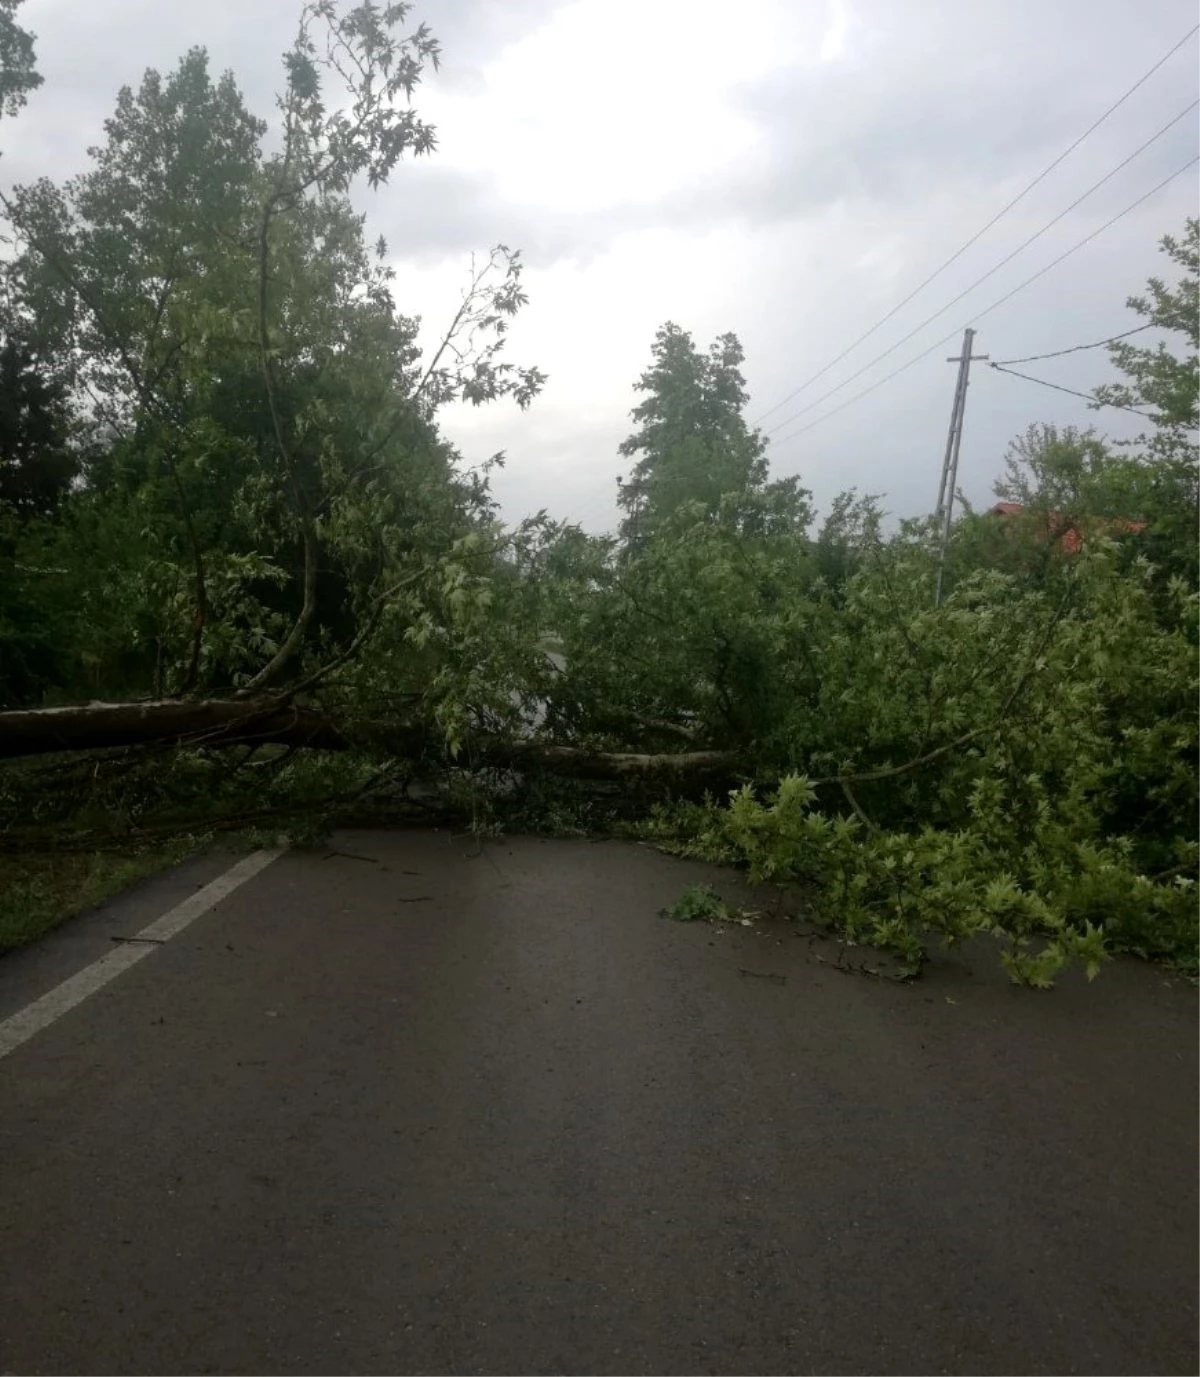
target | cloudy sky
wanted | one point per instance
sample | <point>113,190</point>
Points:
<point>786,169</point>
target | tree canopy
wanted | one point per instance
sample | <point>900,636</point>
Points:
<point>692,444</point>
<point>18,73</point>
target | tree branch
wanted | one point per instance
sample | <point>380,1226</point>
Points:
<point>295,637</point>
<point>367,631</point>
<point>893,771</point>
<point>854,803</point>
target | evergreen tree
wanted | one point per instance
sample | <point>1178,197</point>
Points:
<point>692,443</point>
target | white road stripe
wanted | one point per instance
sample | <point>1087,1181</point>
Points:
<point>42,1012</point>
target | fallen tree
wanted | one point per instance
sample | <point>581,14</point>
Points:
<point>578,763</point>
<point>213,722</point>
<point>227,722</point>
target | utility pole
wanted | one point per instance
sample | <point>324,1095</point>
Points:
<point>945,502</point>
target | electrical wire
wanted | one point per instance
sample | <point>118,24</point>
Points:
<point>866,392</point>
<point>593,506</point>
<point>1020,196</point>
<point>1037,234</point>
<point>1020,287</point>
<point>1058,353</point>
<point>1087,397</point>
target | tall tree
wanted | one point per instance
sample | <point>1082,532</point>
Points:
<point>227,320</point>
<point>692,443</point>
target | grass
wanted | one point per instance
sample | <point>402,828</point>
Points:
<point>40,890</point>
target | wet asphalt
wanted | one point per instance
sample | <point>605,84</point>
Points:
<point>416,1105</point>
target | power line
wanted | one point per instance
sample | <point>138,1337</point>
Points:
<point>991,272</point>
<point>995,304</point>
<point>1020,196</point>
<point>1058,353</point>
<point>584,508</point>
<point>593,505</point>
<point>858,396</point>
<point>1087,239</point>
<point>1087,397</point>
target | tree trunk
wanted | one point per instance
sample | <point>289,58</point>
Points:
<point>629,766</point>
<point>222,722</point>
<point>210,723</point>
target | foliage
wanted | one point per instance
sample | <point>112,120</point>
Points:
<point>268,428</point>
<point>18,76</point>
<point>222,473</point>
<point>1073,474</point>
<point>849,533</point>
<point>134,795</point>
<point>692,443</point>
<point>891,888</point>
<point>1030,772</point>
<point>1158,378</point>
<point>697,639</point>
<point>702,904</point>
<point>36,461</point>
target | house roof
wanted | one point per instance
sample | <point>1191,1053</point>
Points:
<point>1065,528</point>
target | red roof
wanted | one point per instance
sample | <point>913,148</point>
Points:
<point>1064,528</point>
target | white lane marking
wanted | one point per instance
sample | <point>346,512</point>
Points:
<point>60,1000</point>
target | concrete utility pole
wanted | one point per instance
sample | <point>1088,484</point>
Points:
<point>945,502</point>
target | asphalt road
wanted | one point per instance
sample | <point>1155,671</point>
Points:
<point>442,1111</point>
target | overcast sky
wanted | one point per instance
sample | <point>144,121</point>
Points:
<point>786,169</point>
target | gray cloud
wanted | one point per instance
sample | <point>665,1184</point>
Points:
<point>87,52</point>
<point>429,212</point>
<point>943,107</point>
<point>867,172</point>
